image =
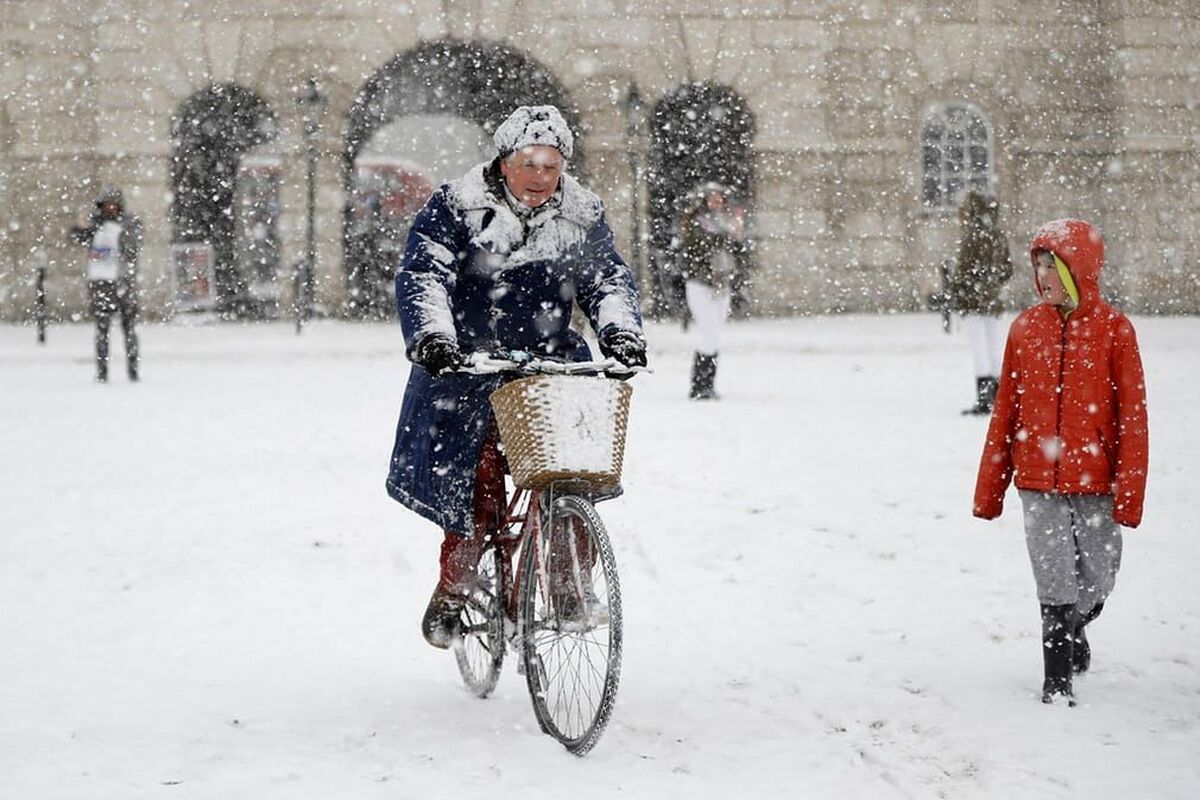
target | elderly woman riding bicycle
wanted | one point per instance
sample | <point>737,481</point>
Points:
<point>495,260</point>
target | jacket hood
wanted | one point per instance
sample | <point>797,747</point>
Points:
<point>1081,247</point>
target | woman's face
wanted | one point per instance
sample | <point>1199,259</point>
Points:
<point>715,201</point>
<point>1049,284</point>
<point>532,174</point>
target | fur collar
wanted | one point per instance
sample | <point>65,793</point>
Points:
<point>549,233</point>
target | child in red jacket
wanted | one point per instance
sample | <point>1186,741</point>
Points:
<point>1069,429</point>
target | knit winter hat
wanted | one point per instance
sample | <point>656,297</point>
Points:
<point>534,125</point>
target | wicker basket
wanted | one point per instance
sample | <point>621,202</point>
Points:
<point>563,427</point>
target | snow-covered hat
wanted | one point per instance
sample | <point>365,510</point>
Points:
<point>533,125</point>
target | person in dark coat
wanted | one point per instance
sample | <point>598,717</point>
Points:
<point>984,266</point>
<point>712,247</point>
<point>495,261</point>
<point>114,240</point>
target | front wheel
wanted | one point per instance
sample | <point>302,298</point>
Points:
<point>571,621</point>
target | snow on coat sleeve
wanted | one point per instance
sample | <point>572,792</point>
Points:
<point>606,290</point>
<point>1133,432</point>
<point>428,272</point>
<point>996,465</point>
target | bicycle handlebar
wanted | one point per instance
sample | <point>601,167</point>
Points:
<point>525,363</point>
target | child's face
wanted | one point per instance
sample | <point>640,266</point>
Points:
<point>1048,281</point>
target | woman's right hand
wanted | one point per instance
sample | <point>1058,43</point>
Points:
<point>437,353</point>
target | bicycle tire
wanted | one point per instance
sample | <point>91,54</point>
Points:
<point>480,650</point>
<point>571,655</point>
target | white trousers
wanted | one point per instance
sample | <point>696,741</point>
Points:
<point>986,334</point>
<point>709,309</point>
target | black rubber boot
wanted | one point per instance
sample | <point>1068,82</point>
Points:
<point>985,394</point>
<point>1081,653</point>
<point>1058,638</point>
<point>441,624</point>
<point>704,376</point>
<point>989,393</point>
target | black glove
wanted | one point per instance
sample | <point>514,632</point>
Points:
<point>626,347</point>
<point>437,353</point>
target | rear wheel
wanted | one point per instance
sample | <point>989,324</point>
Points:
<point>571,620</point>
<point>480,649</point>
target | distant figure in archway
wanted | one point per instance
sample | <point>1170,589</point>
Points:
<point>113,239</point>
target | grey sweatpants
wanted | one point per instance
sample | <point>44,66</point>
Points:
<point>1074,547</point>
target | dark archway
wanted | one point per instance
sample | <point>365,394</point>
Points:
<point>212,130</point>
<point>699,132</point>
<point>478,81</point>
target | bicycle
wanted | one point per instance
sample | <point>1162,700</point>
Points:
<point>560,607</point>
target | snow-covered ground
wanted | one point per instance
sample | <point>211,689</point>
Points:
<point>205,593</point>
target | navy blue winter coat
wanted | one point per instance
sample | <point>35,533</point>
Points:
<point>475,270</point>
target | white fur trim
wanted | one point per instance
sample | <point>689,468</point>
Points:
<point>557,227</point>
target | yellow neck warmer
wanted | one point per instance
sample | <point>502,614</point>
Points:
<point>1068,282</point>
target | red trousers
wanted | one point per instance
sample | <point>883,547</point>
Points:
<point>460,553</point>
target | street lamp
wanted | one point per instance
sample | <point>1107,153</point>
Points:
<point>634,118</point>
<point>312,105</point>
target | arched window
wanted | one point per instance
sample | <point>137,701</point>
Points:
<point>956,154</point>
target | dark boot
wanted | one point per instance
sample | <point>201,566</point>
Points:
<point>1081,654</point>
<point>1057,645</point>
<point>704,376</point>
<point>985,394</point>
<point>440,624</point>
<point>991,385</point>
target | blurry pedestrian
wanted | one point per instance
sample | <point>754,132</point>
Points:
<point>113,239</point>
<point>984,266</point>
<point>712,242</point>
<point>1070,429</point>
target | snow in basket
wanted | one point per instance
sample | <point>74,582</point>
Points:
<point>558,427</point>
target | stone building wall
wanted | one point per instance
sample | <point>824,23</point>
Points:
<point>1092,104</point>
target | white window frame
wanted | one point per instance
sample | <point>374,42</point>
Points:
<point>950,132</point>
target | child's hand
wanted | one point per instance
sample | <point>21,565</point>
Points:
<point>988,511</point>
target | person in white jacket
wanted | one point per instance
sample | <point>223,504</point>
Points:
<point>113,239</point>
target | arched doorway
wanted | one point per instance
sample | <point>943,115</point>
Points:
<point>424,118</point>
<point>223,199</point>
<point>700,132</point>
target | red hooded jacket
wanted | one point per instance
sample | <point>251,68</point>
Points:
<point>1070,413</point>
